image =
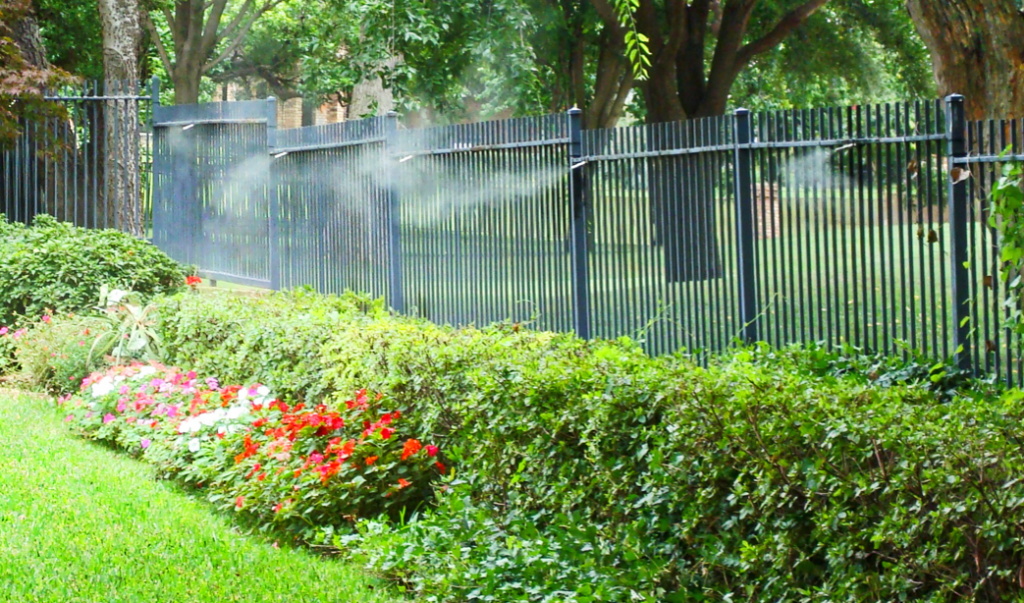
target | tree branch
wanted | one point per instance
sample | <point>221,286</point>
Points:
<point>772,39</point>
<point>209,39</point>
<point>161,50</point>
<point>239,35</point>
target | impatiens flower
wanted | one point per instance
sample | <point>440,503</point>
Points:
<point>121,406</point>
<point>277,509</point>
<point>403,483</point>
<point>386,432</point>
<point>370,460</point>
<point>193,445</point>
<point>107,418</point>
<point>145,443</point>
<point>193,281</point>
<point>239,502</point>
<point>431,450</point>
<point>69,418</point>
<point>3,331</point>
<point>46,318</point>
<point>17,334</point>
<point>411,447</point>
<point>440,466</point>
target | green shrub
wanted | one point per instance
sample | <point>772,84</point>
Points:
<point>58,351</point>
<point>273,339</point>
<point>58,266</point>
<point>756,478</point>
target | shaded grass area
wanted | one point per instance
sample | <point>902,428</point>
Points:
<point>80,523</point>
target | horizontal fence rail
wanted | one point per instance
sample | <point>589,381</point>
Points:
<point>840,225</point>
<point>89,166</point>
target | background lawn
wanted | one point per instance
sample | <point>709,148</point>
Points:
<point>79,523</point>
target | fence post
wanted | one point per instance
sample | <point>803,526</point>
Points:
<point>394,218</point>
<point>956,148</point>
<point>272,200</point>
<point>154,91</point>
<point>745,226</point>
<point>580,209</point>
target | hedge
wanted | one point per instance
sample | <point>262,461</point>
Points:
<point>587,471</point>
<point>60,267</point>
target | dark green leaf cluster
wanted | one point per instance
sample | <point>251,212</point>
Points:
<point>589,472</point>
<point>60,267</point>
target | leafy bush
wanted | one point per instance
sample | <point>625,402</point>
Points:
<point>273,339</point>
<point>57,352</point>
<point>58,266</point>
<point>756,478</point>
<point>304,471</point>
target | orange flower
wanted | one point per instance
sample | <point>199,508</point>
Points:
<point>411,447</point>
<point>370,460</point>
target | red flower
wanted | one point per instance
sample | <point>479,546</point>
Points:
<point>239,502</point>
<point>403,483</point>
<point>193,281</point>
<point>431,450</point>
<point>260,422</point>
<point>277,507</point>
<point>386,433</point>
<point>411,447</point>
<point>370,460</point>
<point>440,466</point>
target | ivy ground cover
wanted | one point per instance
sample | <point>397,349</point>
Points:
<point>81,523</point>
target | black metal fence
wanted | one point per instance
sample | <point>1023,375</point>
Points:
<point>843,225</point>
<point>74,167</point>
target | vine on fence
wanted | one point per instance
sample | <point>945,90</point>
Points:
<point>1007,217</point>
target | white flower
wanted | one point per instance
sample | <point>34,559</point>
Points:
<point>102,387</point>
<point>118,378</point>
<point>263,390</point>
<point>236,411</point>
<point>147,370</point>
<point>193,445</point>
<point>116,296</point>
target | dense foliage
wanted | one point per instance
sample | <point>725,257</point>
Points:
<point>22,84</point>
<point>765,476</point>
<point>57,267</point>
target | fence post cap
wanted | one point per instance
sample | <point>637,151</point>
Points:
<point>955,98</point>
<point>575,111</point>
<point>741,111</point>
<point>392,114</point>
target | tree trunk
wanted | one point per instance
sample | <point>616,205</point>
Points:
<point>122,33</point>
<point>977,49</point>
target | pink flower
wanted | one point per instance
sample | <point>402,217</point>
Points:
<point>124,390</point>
<point>69,418</point>
<point>19,333</point>
<point>145,443</point>
<point>46,318</point>
<point>121,406</point>
<point>107,418</point>
<point>3,331</point>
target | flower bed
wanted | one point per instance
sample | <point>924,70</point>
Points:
<point>304,470</point>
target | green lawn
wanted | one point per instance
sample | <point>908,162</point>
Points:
<point>81,523</point>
